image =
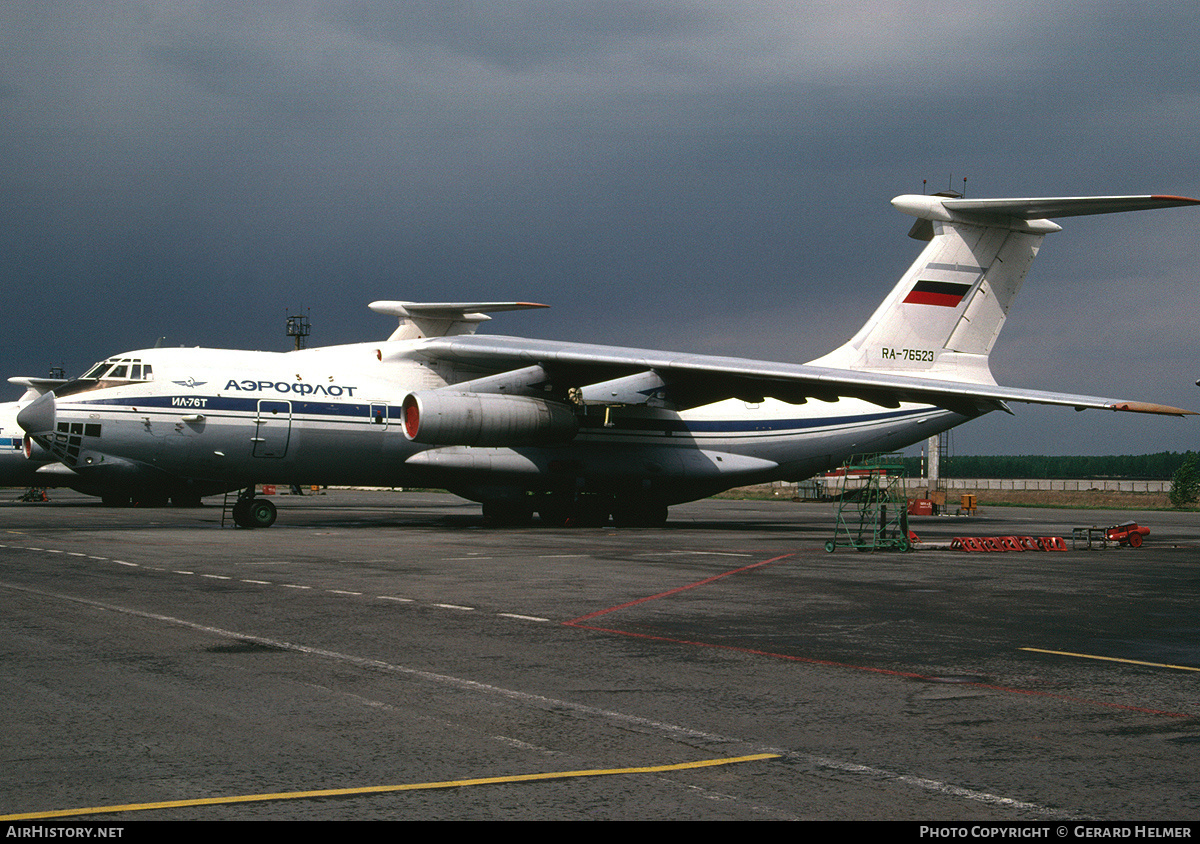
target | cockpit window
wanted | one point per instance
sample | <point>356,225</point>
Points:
<point>123,369</point>
<point>108,373</point>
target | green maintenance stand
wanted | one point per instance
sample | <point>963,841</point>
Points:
<point>872,510</point>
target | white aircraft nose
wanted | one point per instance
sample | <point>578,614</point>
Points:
<point>38,417</point>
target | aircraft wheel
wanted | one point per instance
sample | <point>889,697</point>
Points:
<point>150,499</point>
<point>640,514</point>
<point>656,515</point>
<point>507,512</point>
<point>555,510</point>
<point>590,511</point>
<point>261,513</point>
<point>830,545</point>
<point>1135,540</point>
<point>241,514</point>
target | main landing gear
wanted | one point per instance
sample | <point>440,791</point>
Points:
<point>575,510</point>
<point>251,512</point>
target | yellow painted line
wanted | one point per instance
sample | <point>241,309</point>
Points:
<point>1113,659</point>
<point>380,789</point>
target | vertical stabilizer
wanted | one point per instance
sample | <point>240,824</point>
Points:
<point>943,317</point>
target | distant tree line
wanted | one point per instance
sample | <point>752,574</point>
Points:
<point>1149,467</point>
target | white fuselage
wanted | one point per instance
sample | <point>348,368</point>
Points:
<point>332,416</point>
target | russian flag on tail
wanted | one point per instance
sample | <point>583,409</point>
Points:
<point>947,294</point>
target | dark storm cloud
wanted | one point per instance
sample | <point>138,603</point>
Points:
<point>523,37</point>
<point>710,176</point>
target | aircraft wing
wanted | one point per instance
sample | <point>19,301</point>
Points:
<point>617,375</point>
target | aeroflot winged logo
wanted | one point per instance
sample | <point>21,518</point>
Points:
<point>190,382</point>
<point>947,294</point>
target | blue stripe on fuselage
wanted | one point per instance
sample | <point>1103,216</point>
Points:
<point>340,410</point>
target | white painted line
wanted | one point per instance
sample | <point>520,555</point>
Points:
<point>453,607</point>
<point>664,728</point>
<point>123,563</point>
<point>521,617</point>
<point>394,598</point>
<point>294,586</point>
<point>182,572</point>
<point>217,576</point>
<point>258,582</point>
<point>343,592</point>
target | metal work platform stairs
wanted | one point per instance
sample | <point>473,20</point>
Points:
<point>872,509</point>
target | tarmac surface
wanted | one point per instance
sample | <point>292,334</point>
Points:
<point>379,639</point>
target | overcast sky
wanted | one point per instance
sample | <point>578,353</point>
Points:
<point>702,176</point>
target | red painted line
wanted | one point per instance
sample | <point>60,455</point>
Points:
<point>888,671</point>
<point>575,621</point>
<point>806,659</point>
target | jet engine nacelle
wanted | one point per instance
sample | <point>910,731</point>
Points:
<point>34,451</point>
<point>439,417</point>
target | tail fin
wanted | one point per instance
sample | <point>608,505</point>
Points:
<point>943,317</point>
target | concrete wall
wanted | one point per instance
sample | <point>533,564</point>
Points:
<point>1047,484</point>
<point>808,488</point>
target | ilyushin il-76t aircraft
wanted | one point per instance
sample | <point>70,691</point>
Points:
<point>574,432</point>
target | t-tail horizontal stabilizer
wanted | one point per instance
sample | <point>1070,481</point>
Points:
<point>443,319</point>
<point>943,317</point>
